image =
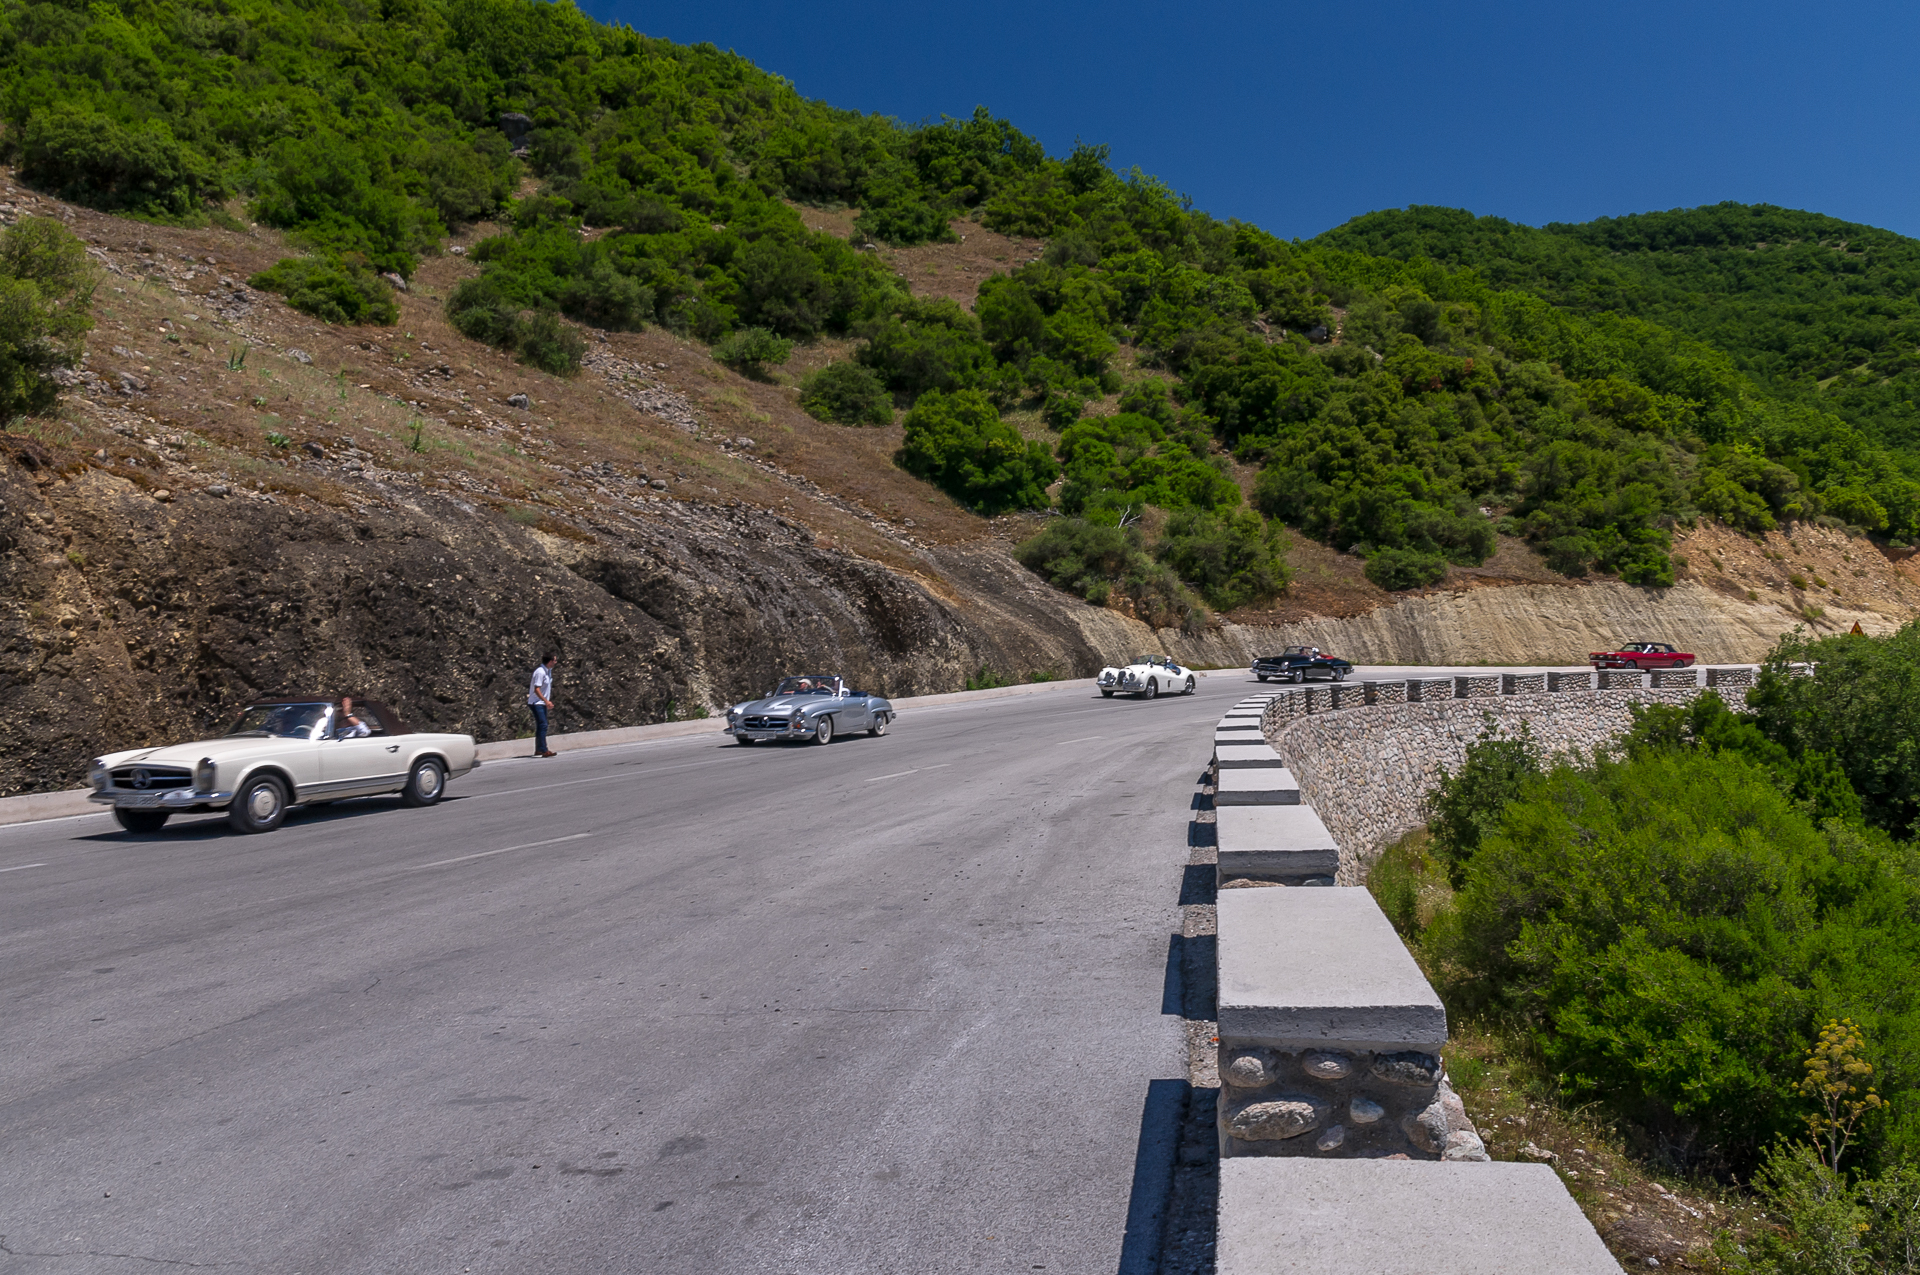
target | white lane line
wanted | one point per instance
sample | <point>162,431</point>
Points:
<point>898,773</point>
<point>22,867</point>
<point>1083,739</point>
<point>438,863</point>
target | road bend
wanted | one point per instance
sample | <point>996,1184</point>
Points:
<point>890,1005</point>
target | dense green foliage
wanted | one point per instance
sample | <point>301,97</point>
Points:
<point>330,289</point>
<point>1101,562</point>
<point>1234,559</point>
<point>846,394</point>
<point>1583,387</point>
<point>958,443</point>
<point>1671,922</point>
<point>46,310</point>
<point>1835,1225</point>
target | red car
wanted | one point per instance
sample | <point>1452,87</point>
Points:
<point>1642,655</point>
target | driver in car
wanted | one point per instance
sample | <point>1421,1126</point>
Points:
<point>350,726</point>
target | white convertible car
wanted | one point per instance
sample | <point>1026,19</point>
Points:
<point>1150,675</point>
<point>282,753</point>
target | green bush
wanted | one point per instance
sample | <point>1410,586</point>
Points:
<point>1670,930</point>
<point>330,289</point>
<point>606,297</point>
<point>90,159</point>
<point>542,338</point>
<point>1860,706</point>
<point>46,300</point>
<point>749,351</point>
<point>537,337</point>
<point>932,345</point>
<point>1398,569</point>
<point>846,394</point>
<point>958,443</point>
<point>1234,559</point>
<point>1464,806</point>
<point>1106,565</point>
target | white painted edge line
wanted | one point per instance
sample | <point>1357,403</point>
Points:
<point>22,867</point>
<point>438,863</point>
<point>899,773</point>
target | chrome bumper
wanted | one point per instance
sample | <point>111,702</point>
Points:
<point>792,732</point>
<point>169,799</point>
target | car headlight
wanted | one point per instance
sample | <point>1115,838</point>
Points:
<point>204,774</point>
<point>97,775</point>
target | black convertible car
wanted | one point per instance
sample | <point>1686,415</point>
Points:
<point>1298,663</point>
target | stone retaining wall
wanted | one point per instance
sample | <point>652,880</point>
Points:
<point>1368,772</point>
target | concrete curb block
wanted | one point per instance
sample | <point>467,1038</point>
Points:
<point>47,805</point>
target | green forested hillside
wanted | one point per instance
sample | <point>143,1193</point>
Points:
<point>1484,376</point>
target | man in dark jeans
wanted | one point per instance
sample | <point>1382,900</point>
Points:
<point>540,699</point>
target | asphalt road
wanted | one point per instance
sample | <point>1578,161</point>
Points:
<point>891,1005</point>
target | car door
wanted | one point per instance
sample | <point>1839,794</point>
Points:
<point>852,713</point>
<point>364,764</point>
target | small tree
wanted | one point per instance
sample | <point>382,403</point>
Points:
<point>1835,1074</point>
<point>46,310</point>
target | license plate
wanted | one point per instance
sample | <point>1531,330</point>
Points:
<point>138,800</point>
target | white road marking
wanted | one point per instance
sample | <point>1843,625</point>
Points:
<point>22,867</point>
<point>437,863</point>
<point>916,770</point>
<point>1083,739</point>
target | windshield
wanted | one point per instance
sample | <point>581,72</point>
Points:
<point>282,721</point>
<point>1303,650</point>
<point>805,686</point>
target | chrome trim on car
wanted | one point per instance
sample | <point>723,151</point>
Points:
<point>160,799</point>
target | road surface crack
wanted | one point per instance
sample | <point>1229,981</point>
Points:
<point>131,1257</point>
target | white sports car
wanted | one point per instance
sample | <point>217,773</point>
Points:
<point>1150,675</point>
<point>279,754</point>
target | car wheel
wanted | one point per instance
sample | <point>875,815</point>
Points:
<point>1190,685</point>
<point>1339,675</point>
<point>823,733</point>
<point>1153,688</point>
<point>259,806</point>
<point>1299,675</point>
<point>426,785</point>
<point>141,821</point>
<point>879,726</point>
<point>1261,676</point>
<point>742,740</point>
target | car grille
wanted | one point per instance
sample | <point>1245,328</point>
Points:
<point>764,723</point>
<point>158,778</point>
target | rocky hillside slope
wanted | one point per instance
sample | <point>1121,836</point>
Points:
<point>236,499</point>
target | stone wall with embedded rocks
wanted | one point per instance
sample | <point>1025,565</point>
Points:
<point>1356,1104</point>
<point>1368,770</point>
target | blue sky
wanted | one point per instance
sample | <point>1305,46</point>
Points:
<point>1298,117</point>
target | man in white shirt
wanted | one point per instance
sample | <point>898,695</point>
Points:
<point>540,699</point>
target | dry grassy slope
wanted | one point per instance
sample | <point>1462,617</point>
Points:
<point>391,523</point>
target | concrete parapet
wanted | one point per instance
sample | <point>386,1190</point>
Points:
<point>1425,690</point>
<point>1329,1034</point>
<point>1235,735</point>
<point>1393,1217</point>
<point>1522,683</point>
<point>1730,677</point>
<point>1273,843</point>
<point>1476,685</point>
<point>1581,681</point>
<point>1233,756</point>
<point>1255,786</point>
<point>1386,692</point>
<point>1670,677</point>
<point>1615,679</point>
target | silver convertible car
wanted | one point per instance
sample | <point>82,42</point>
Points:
<point>813,706</point>
<point>279,754</point>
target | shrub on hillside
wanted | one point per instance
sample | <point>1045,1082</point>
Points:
<point>46,300</point>
<point>958,443</point>
<point>91,159</point>
<point>750,351</point>
<point>330,289</point>
<point>1234,558</point>
<point>1465,806</point>
<point>537,337</point>
<point>846,394</point>
<point>1104,564</point>
<point>1398,569</point>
